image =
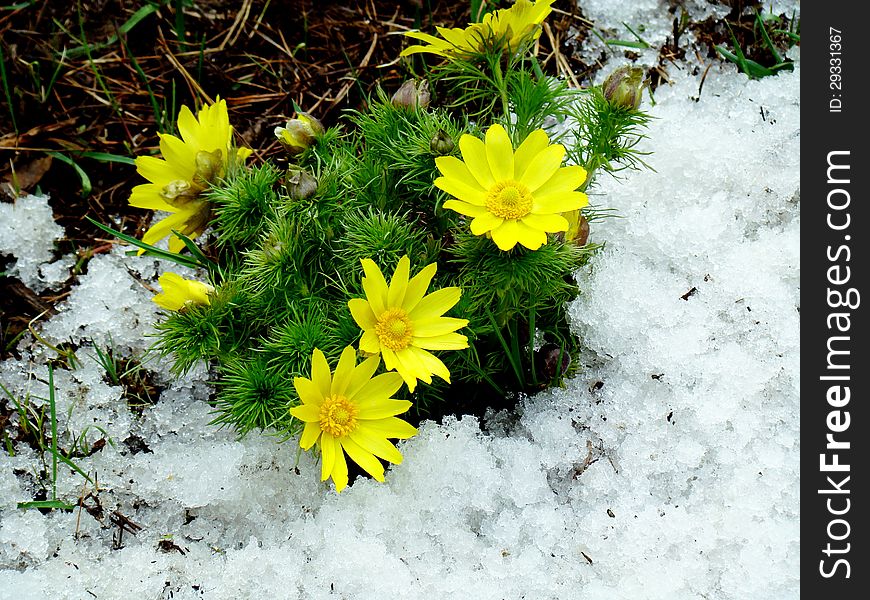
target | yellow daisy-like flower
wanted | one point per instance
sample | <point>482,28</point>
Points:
<point>189,165</point>
<point>515,196</point>
<point>179,292</point>
<point>351,412</point>
<point>509,26</point>
<point>401,322</point>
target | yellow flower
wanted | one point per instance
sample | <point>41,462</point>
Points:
<point>189,165</point>
<point>401,322</point>
<point>299,133</point>
<point>179,292</point>
<point>507,26</point>
<point>516,196</point>
<point>351,412</point>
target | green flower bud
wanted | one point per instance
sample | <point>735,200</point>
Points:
<point>441,144</point>
<point>300,184</point>
<point>624,87</point>
<point>412,95</point>
<point>209,166</point>
<point>299,133</point>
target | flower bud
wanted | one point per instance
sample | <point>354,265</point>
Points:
<point>300,184</point>
<point>578,228</point>
<point>624,87</point>
<point>441,143</point>
<point>552,363</point>
<point>299,133</point>
<point>412,95</point>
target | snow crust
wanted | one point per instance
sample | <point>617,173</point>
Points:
<point>28,233</point>
<point>668,469</point>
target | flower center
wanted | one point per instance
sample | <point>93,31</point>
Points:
<point>394,329</point>
<point>509,200</point>
<point>337,416</point>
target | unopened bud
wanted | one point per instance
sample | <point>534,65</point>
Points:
<point>578,228</point>
<point>412,95</point>
<point>300,184</point>
<point>179,193</point>
<point>624,87</point>
<point>299,133</point>
<point>552,362</point>
<point>441,143</point>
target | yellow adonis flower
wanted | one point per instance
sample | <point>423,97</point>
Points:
<point>515,196</point>
<point>189,165</point>
<point>179,292</point>
<point>510,26</point>
<point>401,322</point>
<point>351,412</point>
<point>299,133</point>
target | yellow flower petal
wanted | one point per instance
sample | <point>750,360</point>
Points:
<point>158,171</point>
<point>369,342</point>
<point>377,390</point>
<point>179,154</point>
<point>343,372</point>
<point>438,326</point>
<point>559,202</point>
<point>371,442</point>
<point>390,427</point>
<point>530,237</point>
<point>474,154</point>
<point>308,391</point>
<point>411,367</point>
<point>399,282</point>
<point>499,153</point>
<point>566,179</point>
<point>458,189</point>
<point>383,408</point>
<point>434,364</point>
<point>147,195</point>
<point>449,341</point>
<point>533,145</point>
<point>436,304</point>
<point>327,455</point>
<point>418,285</point>
<point>339,471</point>
<point>309,435</point>
<point>362,373</point>
<point>453,168</point>
<point>543,166</point>
<point>484,223</point>
<point>307,413</point>
<point>464,208</point>
<point>363,458</point>
<point>321,375</point>
<point>548,223</point>
<point>362,313</point>
<point>374,286</point>
<point>506,235</point>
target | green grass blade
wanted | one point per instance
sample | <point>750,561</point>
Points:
<point>59,504</point>
<point>150,250</point>
<point>86,181</point>
<point>6,91</point>
<point>764,36</point>
<point>52,408</point>
<point>135,18</point>
<point>106,157</point>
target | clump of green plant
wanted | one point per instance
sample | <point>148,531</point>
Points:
<point>433,235</point>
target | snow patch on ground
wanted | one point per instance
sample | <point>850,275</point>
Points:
<point>668,469</point>
<point>28,234</point>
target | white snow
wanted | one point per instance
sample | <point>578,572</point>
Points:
<point>668,469</point>
<point>28,233</point>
